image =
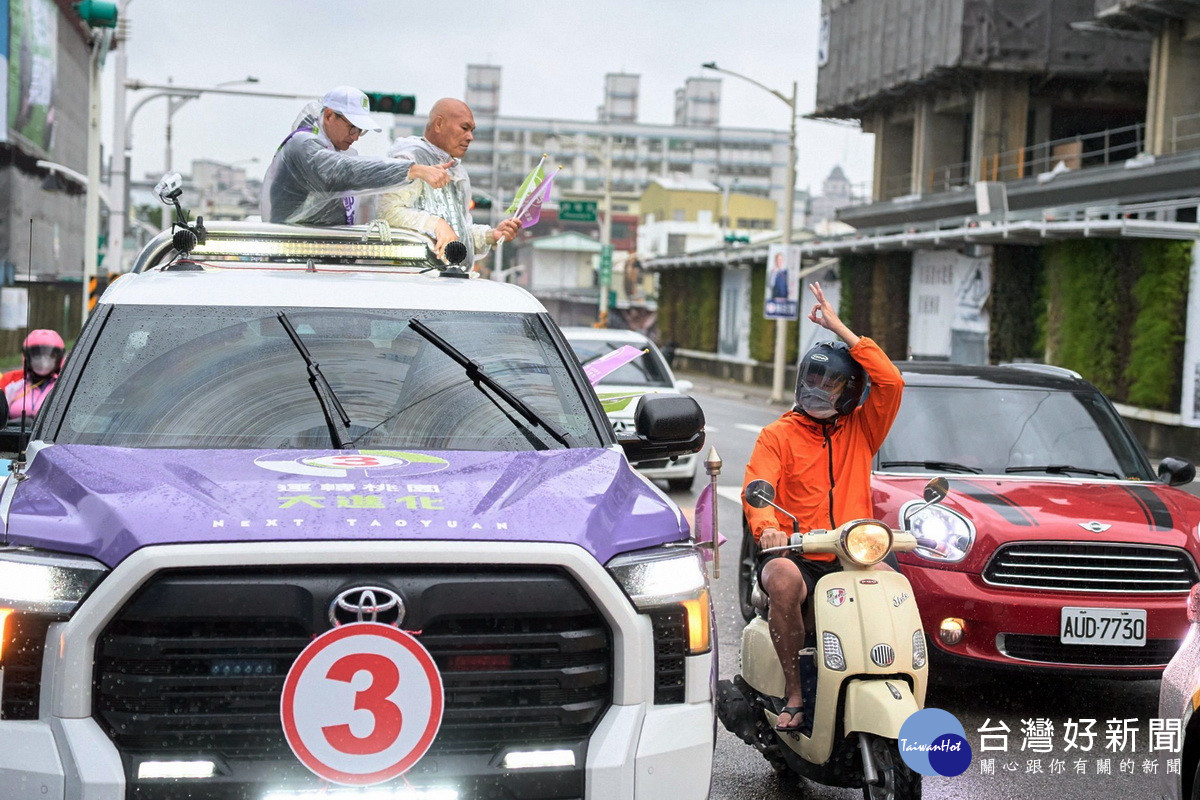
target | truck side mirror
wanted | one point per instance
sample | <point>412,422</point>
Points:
<point>665,425</point>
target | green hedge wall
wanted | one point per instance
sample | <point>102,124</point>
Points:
<point>1115,312</point>
<point>689,306</point>
<point>1082,324</point>
<point>1156,340</point>
<point>875,298</point>
<point>1017,304</point>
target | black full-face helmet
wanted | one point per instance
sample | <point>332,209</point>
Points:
<point>829,382</point>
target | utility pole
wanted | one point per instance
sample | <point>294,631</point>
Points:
<point>789,209</point>
<point>118,173</point>
<point>91,210</point>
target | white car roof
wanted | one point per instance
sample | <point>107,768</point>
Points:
<point>604,335</point>
<point>364,289</point>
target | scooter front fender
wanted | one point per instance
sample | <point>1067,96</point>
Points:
<point>879,706</point>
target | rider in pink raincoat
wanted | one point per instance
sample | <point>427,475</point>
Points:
<point>43,357</point>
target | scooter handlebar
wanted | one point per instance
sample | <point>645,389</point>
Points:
<point>903,542</point>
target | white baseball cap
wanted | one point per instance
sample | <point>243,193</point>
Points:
<point>351,104</point>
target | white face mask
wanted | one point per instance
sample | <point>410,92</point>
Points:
<point>42,365</point>
<point>817,403</point>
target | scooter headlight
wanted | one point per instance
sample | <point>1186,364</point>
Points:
<point>866,542</point>
<point>942,533</point>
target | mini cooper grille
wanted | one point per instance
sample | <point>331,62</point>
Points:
<point>1049,650</point>
<point>196,663</point>
<point>1091,567</point>
<point>883,655</point>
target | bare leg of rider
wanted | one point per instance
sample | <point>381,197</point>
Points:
<point>785,587</point>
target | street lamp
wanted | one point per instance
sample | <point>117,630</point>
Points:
<point>176,102</point>
<point>123,135</point>
<point>789,203</point>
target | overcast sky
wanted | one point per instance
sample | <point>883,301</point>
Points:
<point>553,56</point>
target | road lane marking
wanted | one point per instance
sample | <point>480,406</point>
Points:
<point>733,493</point>
<point>755,429</point>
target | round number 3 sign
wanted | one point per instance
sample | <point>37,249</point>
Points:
<point>362,703</point>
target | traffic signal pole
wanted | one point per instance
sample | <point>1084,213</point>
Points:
<point>605,274</point>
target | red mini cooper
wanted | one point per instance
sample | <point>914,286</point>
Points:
<point>1058,548</point>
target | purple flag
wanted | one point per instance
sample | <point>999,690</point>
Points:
<point>531,210</point>
<point>610,362</point>
<point>703,516</point>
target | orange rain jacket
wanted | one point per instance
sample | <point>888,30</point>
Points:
<point>815,464</point>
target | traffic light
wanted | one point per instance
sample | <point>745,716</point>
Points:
<point>733,238</point>
<point>97,13</point>
<point>388,103</point>
<point>479,201</point>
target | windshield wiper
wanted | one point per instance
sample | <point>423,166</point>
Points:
<point>478,375</point>
<point>325,395</point>
<point>934,465</point>
<point>1062,469</point>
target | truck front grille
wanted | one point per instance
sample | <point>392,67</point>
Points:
<point>195,662</point>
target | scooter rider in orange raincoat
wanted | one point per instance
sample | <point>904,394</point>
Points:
<point>818,458</point>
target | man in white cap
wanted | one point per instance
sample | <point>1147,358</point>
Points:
<point>315,173</point>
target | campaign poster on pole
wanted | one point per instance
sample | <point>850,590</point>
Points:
<point>783,282</point>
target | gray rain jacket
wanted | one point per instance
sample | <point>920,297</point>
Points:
<point>311,183</point>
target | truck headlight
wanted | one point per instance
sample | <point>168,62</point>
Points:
<point>47,583</point>
<point>36,588</point>
<point>666,578</point>
<point>942,533</point>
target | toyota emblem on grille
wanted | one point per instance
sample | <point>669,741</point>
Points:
<point>367,604</point>
<point>1094,527</point>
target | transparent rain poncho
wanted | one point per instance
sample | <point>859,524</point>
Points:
<point>309,182</point>
<point>416,204</point>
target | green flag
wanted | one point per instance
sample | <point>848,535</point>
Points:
<point>531,182</point>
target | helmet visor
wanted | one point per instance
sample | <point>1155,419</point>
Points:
<point>817,377</point>
<point>45,350</point>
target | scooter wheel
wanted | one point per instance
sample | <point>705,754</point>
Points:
<point>897,781</point>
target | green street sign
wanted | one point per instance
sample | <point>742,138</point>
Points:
<point>577,210</point>
<point>605,264</point>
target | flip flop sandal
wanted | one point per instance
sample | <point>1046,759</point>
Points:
<point>797,714</point>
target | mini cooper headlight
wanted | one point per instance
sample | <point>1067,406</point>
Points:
<point>942,533</point>
<point>866,542</point>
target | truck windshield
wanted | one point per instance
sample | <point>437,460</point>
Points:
<point>229,377</point>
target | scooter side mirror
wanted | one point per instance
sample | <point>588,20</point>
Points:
<point>936,490</point>
<point>759,493</point>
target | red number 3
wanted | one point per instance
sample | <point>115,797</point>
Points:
<point>385,677</point>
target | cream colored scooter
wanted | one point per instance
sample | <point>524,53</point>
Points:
<point>863,675</point>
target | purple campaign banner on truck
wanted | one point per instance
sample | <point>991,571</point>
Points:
<point>107,502</point>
